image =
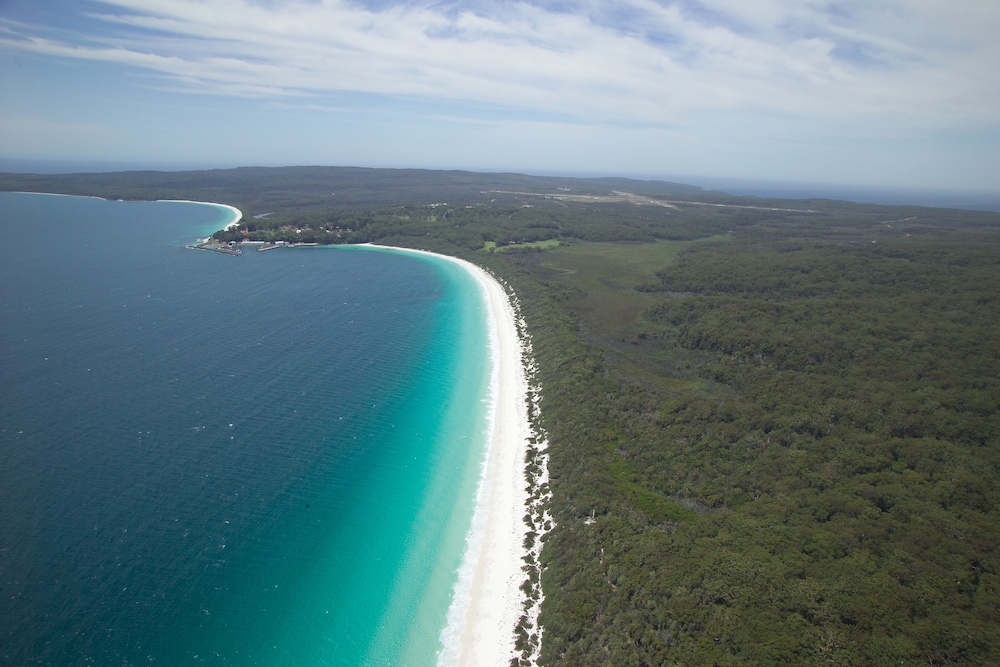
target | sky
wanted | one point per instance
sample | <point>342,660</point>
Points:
<point>881,93</point>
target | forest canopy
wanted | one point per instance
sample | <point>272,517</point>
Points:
<point>774,425</point>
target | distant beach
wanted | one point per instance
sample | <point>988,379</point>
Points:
<point>237,213</point>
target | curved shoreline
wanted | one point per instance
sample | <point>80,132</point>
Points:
<point>490,611</point>
<point>56,194</point>
<point>235,211</point>
<point>488,602</point>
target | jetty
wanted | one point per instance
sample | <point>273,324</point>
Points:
<point>215,247</point>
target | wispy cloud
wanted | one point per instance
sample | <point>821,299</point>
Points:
<point>895,63</point>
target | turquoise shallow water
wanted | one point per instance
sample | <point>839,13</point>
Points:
<point>262,460</point>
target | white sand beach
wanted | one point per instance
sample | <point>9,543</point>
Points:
<point>488,600</point>
<point>237,213</point>
<point>56,194</point>
<point>494,603</point>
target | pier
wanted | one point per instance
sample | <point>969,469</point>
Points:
<point>212,247</point>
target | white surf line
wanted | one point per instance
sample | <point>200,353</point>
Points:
<point>493,616</point>
<point>236,212</point>
<point>57,194</point>
<point>493,608</point>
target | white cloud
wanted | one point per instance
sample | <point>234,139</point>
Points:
<point>884,65</point>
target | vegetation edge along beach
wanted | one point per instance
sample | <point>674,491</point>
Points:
<point>493,617</point>
<point>772,425</point>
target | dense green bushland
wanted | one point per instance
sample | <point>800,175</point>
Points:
<point>829,411</point>
<point>774,426</point>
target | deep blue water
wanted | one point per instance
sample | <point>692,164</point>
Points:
<point>257,460</point>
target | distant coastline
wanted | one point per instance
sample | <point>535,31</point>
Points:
<point>935,197</point>
<point>971,200</point>
<point>664,313</point>
<point>59,194</point>
<point>237,213</point>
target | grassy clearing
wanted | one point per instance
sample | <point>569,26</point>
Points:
<point>604,277</point>
<point>786,453</point>
<point>491,246</point>
<point>656,507</point>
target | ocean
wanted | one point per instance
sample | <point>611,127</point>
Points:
<point>260,460</point>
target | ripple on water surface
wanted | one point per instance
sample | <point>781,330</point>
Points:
<point>255,460</point>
